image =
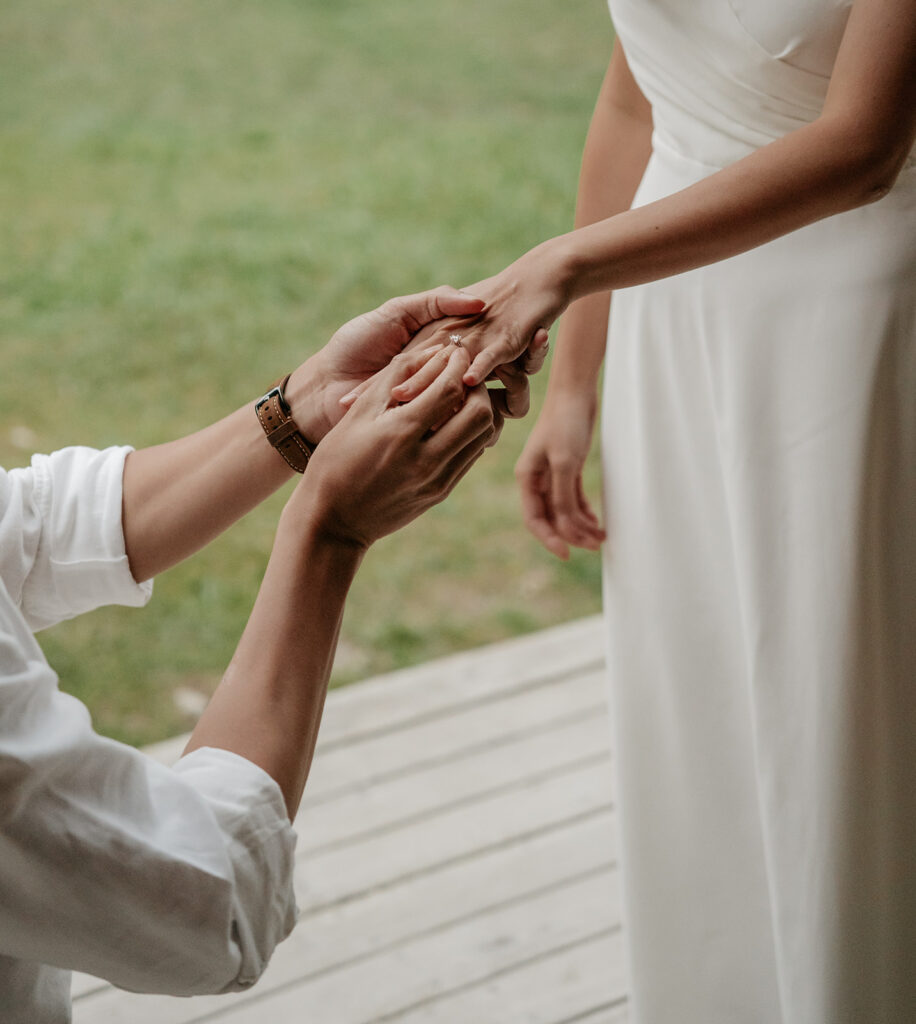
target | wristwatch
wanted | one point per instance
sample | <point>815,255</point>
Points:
<point>276,417</point>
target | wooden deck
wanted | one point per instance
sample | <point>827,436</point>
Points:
<point>456,857</point>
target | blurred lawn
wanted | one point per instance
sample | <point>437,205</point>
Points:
<point>193,196</point>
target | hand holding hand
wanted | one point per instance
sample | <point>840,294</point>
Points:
<point>506,340</point>
<point>384,464</point>
<point>511,401</point>
<point>359,349</point>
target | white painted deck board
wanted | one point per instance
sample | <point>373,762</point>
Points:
<point>456,857</point>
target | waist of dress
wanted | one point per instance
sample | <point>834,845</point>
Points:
<point>691,168</point>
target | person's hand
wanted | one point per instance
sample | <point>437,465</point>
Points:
<point>507,340</point>
<point>512,400</point>
<point>522,302</point>
<point>549,475</point>
<point>384,464</point>
<point>359,349</point>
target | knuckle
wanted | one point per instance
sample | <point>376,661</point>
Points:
<point>453,391</point>
<point>519,405</point>
<point>408,362</point>
<point>391,309</point>
<point>481,414</point>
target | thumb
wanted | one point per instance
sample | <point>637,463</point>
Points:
<point>416,311</point>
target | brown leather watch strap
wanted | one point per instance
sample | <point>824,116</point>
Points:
<point>275,416</point>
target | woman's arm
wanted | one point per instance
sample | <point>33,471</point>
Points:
<point>549,471</point>
<point>614,159</point>
<point>180,495</point>
<point>849,156</point>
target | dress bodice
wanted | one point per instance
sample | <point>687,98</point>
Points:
<point>727,76</point>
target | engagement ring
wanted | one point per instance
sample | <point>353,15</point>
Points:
<point>455,339</point>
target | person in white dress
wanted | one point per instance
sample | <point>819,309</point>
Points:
<point>748,193</point>
<point>179,880</point>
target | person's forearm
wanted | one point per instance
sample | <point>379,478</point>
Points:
<point>268,706</point>
<point>817,171</point>
<point>614,160</point>
<point>378,469</point>
<point>178,496</point>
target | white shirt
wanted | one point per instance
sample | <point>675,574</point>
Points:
<point>175,880</point>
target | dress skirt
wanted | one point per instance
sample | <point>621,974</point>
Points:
<point>759,445</point>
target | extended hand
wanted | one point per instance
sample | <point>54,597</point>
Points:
<point>522,302</point>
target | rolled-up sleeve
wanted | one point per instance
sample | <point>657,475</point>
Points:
<point>61,537</point>
<point>175,880</point>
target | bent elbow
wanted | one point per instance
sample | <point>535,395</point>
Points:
<point>862,159</point>
<point>875,168</point>
<point>879,179</point>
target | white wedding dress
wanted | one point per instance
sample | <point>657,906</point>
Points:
<point>759,439</point>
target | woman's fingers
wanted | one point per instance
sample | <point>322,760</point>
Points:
<point>534,488</point>
<point>494,362</point>
<point>538,515</point>
<point>586,508</point>
<point>533,357</point>
<point>486,361</point>
<point>554,505</point>
<point>515,399</point>
<point>570,521</point>
<point>503,350</point>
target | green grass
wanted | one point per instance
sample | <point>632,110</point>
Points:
<point>193,196</point>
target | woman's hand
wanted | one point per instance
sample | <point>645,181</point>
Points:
<point>522,302</point>
<point>549,474</point>
<point>384,463</point>
<point>512,400</point>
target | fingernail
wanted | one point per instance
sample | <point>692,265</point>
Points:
<point>348,398</point>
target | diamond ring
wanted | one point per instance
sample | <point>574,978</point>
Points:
<point>455,339</point>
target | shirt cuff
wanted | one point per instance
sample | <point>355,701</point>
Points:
<point>250,810</point>
<point>82,561</point>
